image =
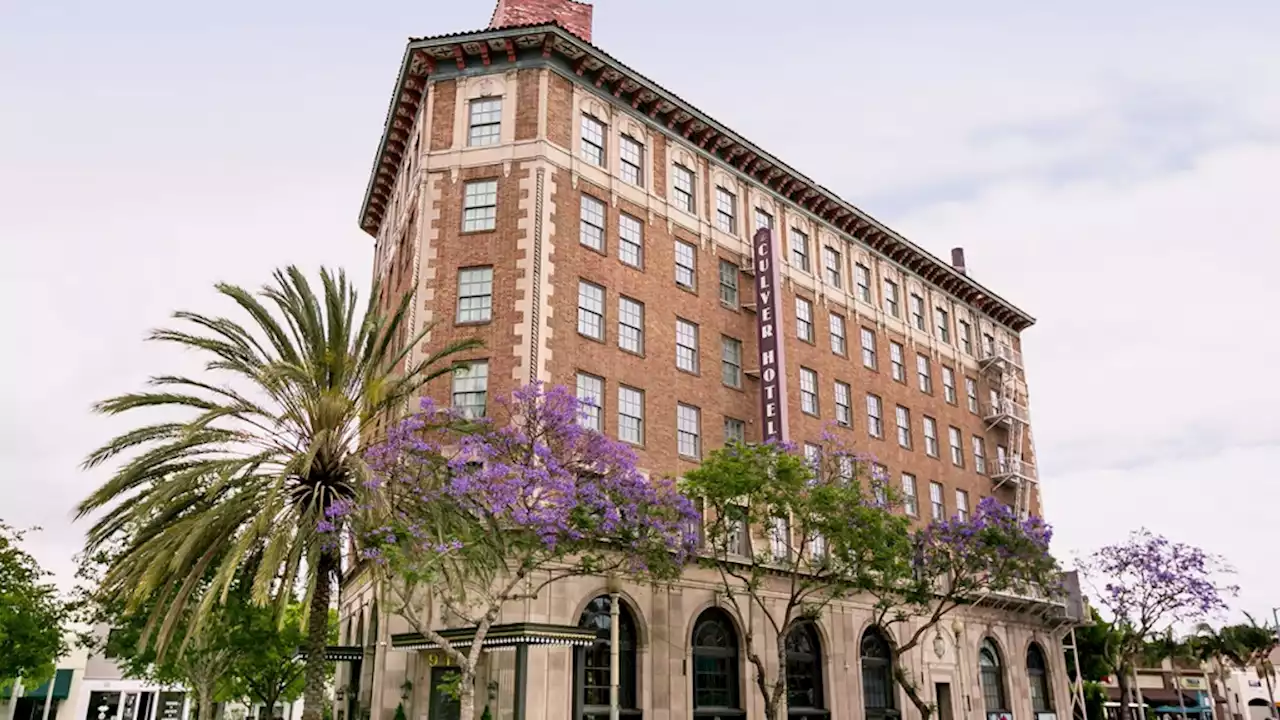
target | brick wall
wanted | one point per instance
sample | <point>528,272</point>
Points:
<point>527,107</point>
<point>572,16</point>
<point>445,100</point>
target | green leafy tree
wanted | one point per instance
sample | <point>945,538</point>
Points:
<point>267,668</point>
<point>32,616</point>
<point>826,537</point>
<point>262,445</point>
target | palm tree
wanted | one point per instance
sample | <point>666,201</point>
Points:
<point>1214,648</point>
<point>1167,647</point>
<point>265,444</point>
<point>1257,643</point>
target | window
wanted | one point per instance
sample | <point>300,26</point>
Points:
<point>891,300</point>
<point>630,415</point>
<point>962,505</point>
<point>804,319</point>
<point>737,538</point>
<point>726,211</point>
<point>688,430</point>
<point>869,348</point>
<point>480,206</point>
<point>475,295</point>
<point>470,388</point>
<point>631,325</point>
<point>735,430</point>
<point>844,404</point>
<point>686,265</point>
<point>937,506</point>
<point>686,346</point>
<point>485,122</point>
<point>808,391</point>
<point>836,326</point>
<point>949,384</point>
<point>813,456</point>
<point>862,281</point>
<point>831,266</point>
<point>1038,678</point>
<point>591,664</point>
<point>682,187</point>
<point>1002,463</point>
<point>903,418</point>
<point>988,344</point>
<point>910,502</point>
<point>992,677</point>
<point>966,336</point>
<point>917,312</point>
<point>780,538</point>
<point>943,320</point>
<point>877,677</point>
<point>763,219</point>
<point>800,250</point>
<point>630,240</point>
<point>592,140</point>
<point>923,374</point>
<point>879,479</point>
<point>591,229</point>
<point>631,153</point>
<point>979,455</point>
<point>957,446</point>
<point>930,436</point>
<point>805,695</point>
<point>896,364</point>
<point>590,402</point>
<point>971,393</point>
<point>729,284</point>
<point>731,362</point>
<point>716,683</point>
<point>875,416</point>
<point>591,310</point>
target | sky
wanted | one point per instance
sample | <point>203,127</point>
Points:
<point>1112,168</point>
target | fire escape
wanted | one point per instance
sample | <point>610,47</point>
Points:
<point>1006,416</point>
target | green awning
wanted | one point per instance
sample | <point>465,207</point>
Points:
<point>61,687</point>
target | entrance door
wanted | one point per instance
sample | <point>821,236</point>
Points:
<point>942,691</point>
<point>443,705</point>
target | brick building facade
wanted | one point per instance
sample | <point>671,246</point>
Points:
<point>595,231</point>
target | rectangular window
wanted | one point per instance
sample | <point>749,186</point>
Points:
<point>923,374</point>
<point>831,266</point>
<point>590,310</point>
<point>966,336</point>
<point>943,320</point>
<point>938,507</point>
<point>896,364</point>
<point>686,265</point>
<point>480,206</point>
<point>735,430</point>
<point>682,188</point>
<point>470,388</point>
<point>949,384</point>
<point>962,505</point>
<point>813,456</point>
<point>930,436</point>
<point>631,325</point>
<point>804,319</point>
<point>869,348</point>
<point>630,415</point>
<point>726,211</point>
<point>686,346</point>
<point>875,416</point>
<point>475,295</point>
<point>891,300</point>
<point>836,323</point>
<point>903,417</point>
<point>844,404</point>
<point>731,362</point>
<point>591,402</point>
<point>485,121</point>
<point>800,250</point>
<point>879,477</point>
<point>910,501</point>
<point>763,219</point>
<point>957,446</point>
<point>780,538</point>
<point>808,391</point>
<point>917,312</point>
<point>631,153</point>
<point>737,538</point>
<point>862,281</point>
<point>688,430</point>
<point>729,284</point>
<point>971,393</point>
<point>988,344</point>
<point>979,455</point>
<point>630,240</point>
<point>591,229</point>
<point>593,140</point>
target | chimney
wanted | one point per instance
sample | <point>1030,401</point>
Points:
<point>572,16</point>
<point>957,260</point>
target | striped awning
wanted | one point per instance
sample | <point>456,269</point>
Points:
<point>500,636</point>
<point>338,653</point>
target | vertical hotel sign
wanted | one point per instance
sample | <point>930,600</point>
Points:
<point>773,382</point>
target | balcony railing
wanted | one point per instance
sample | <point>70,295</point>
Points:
<point>1003,353</point>
<point>1003,410</point>
<point>1013,469</point>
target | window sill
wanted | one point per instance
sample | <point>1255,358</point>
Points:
<point>584,336</point>
<point>479,232</point>
<point>472,323</point>
<point>602,252</point>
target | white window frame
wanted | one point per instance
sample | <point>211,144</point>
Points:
<point>484,121</point>
<point>844,404</point>
<point>902,420</point>
<point>470,380</point>
<point>726,210</point>
<point>897,364</point>
<point>875,415</point>
<point>868,341</point>
<point>688,430</point>
<point>804,319</point>
<point>937,504</point>
<point>475,295</point>
<point>800,250</point>
<point>808,391</point>
<point>831,260</point>
<point>631,170</point>
<point>730,295</point>
<point>630,311</point>
<point>839,340</point>
<point>592,217</point>
<point>955,439</point>
<point>630,240</point>
<point>595,141</point>
<point>685,198</point>
<point>686,266</point>
<point>686,346</point>
<point>630,400</point>
<point>591,310</point>
<point>731,361</point>
<point>910,496</point>
<point>930,436</point>
<point>590,392</point>
<point>480,205</point>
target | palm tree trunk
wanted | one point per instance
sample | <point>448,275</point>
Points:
<point>1271,695</point>
<point>1122,679</point>
<point>317,635</point>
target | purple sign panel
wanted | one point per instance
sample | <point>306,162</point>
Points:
<point>773,382</point>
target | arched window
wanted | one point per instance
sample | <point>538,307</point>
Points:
<point>1038,677</point>
<point>715,666</point>
<point>591,664</point>
<point>877,676</point>
<point>804,673</point>
<point>373,626</point>
<point>992,677</point>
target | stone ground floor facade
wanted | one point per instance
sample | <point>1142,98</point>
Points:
<point>682,657</point>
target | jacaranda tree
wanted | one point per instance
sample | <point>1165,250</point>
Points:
<point>460,518</point>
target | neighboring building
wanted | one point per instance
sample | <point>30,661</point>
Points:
<point>1166,694</point>
<point>599,232</point>
<point>1245,696</point>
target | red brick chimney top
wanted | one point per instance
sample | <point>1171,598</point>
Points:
<point>572,16</point>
